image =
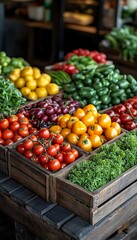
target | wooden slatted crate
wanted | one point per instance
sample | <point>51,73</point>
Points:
<point>35,177</point>
<point>3,159</point>
<point>94,206</point>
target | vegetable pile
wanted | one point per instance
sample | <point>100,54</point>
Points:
<point>102,85</point>
<point>104,166</point>
<point>48,149</point>
<point>125,41</point>
<point>7,64</point>
<point>10,97</point>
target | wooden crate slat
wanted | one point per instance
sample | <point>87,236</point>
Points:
<point>3,166</point>
<point>9,186</point>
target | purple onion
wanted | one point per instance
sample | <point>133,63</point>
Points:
<point>49,110</point>
<point>39,113</point>
<point>64,110</point>
<point>32,112</point>
<point>72,109</point>
<point>53,117</point>
<point>56,98</point>
<point>44,118</point>
<point>34,122</point>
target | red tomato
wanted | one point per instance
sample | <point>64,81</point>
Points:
<point>51,150</point>
<point>46,166</point>
<point>12,118</point>
<point>32,130</point>
<point>130,125</point>
<point>135,105</point>
<point>30,125</point>
<point>20,115</point>
<point>43,159</point>
<point>28,154</point>
<point>4,123</point>
<point>54,165</point>
<point>38,149</point>
<point>44,133</point>
<point>16,138</point>
<point>14,126</point>
<point>62,165</point>
<point>7,134</point>
<point>8,142</point>
<point>75,152</point>
<point>69,157</point>
<point>23,132</point>
<point>66,147</point>
<point>0,133</point>
<point>58,138</point>
<point>33,138</point>
<point>35,159</point>
<point>1,141</point>
<point>28,144</point>
<point>20,148</point>
<point>23,120</point>
<point>57,146</point>
<point>60,157</point>
<point>125,117</point>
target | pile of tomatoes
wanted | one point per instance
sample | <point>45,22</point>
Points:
<point>87,128</point>
<point>14,128</point>
<point>125,114</point>
<point>48,149</point>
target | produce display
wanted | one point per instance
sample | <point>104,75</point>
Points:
<point>101,85</point>
<point>48,149</point>
<point>125,41</point>
<point>104,166</point>
<point>10,97</point>
<point>125,113</point>
<point>45,112</point>
<point>7,64</point>
<point>14,128</point>
<point>32,83</point>
<point>87,128</point>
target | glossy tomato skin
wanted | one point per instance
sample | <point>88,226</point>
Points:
<point>32,130</point>
<point>23,120</point>
<point>75,152</point>
<point>130,125</point>
<point>7,134</point>
<point>65,147</point>
<point>20,148</point>
<point>59,157</point>
<point>43,159</point>
<point>51,150</point>
<point>125,117</point>
<point>28,154</point>
<point>58,138</point>
<point>57,146</point>
<point>1,141</point>
<point>38,149</point>
<point>8,142</point>
<point>133,112</point>
<point>69,157</point>
<point>4,123</point>
<point>28,144</point>
<point>16,138</point>
<point>63,165</point>
<point>23,132</point>
<point>12,118</point>
<point>44,133</point>
<point>116,119</point>
<point>14,126</point>
<point>54,165</point>
<point>111,113</point>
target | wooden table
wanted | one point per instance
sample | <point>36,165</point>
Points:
<point>36,219</point>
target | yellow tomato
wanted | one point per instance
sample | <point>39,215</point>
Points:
<point>59,118</point>
<point>16,72</point>
<point>92,109</point>
<point>88,119</point>
<point>95,129</point>
<point>85,144</point>
<point>110,133</point>
<point>26,71</point>
<point>55,129</point>
<point>104,120</point>
<point>41,92</point>
<point>32,95</point>
<point>117,127</point>
<point>71,121</point>
<point>79,128</point>
<point>52,89</point>
<point>46,76</point>
<point>42,81</point>
<point>36,72</point>
<point>79,113</point>
<point>72,138</point>
<point>65,132</point>
<point>20,82</point>
<point>64,120</point>
<point>13,77</point>
<point>31,84</point>
<point>25,91</point>
<point>95,140</point>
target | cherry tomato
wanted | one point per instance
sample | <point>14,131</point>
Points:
<point>43,159</point>
<point>1,141</point>
<point>14,126</point>
<point>16,138</point>
<point>23,120</point>
<point>57,146</point>
<point>20,148</point>
<point>12,118</point>
<point>28,144</point>
<point>20,115</point>
<point>46,166</point>
<point>51,150</point>
<point>130,125</point>
<point>23,132</point>
<point>34,138</point>
<point>62,165</point>
<point>69,157</point>
<point>58,138</point>
<point>75,152</point>
<point>35,159</point>
<point>7,134</point>
<point>60,157</point>
<point>4,123</point>
<point>32,130</point>
<point>8,142</point>
<point>44,133</point>
<point>65,147</point>
<point>0,133</point>
<point>28,154</point>
<point>54,165</point>
<point>38,149</point>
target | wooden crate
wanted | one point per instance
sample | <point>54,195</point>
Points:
<point>94,206</point>
<point>34,176</point>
